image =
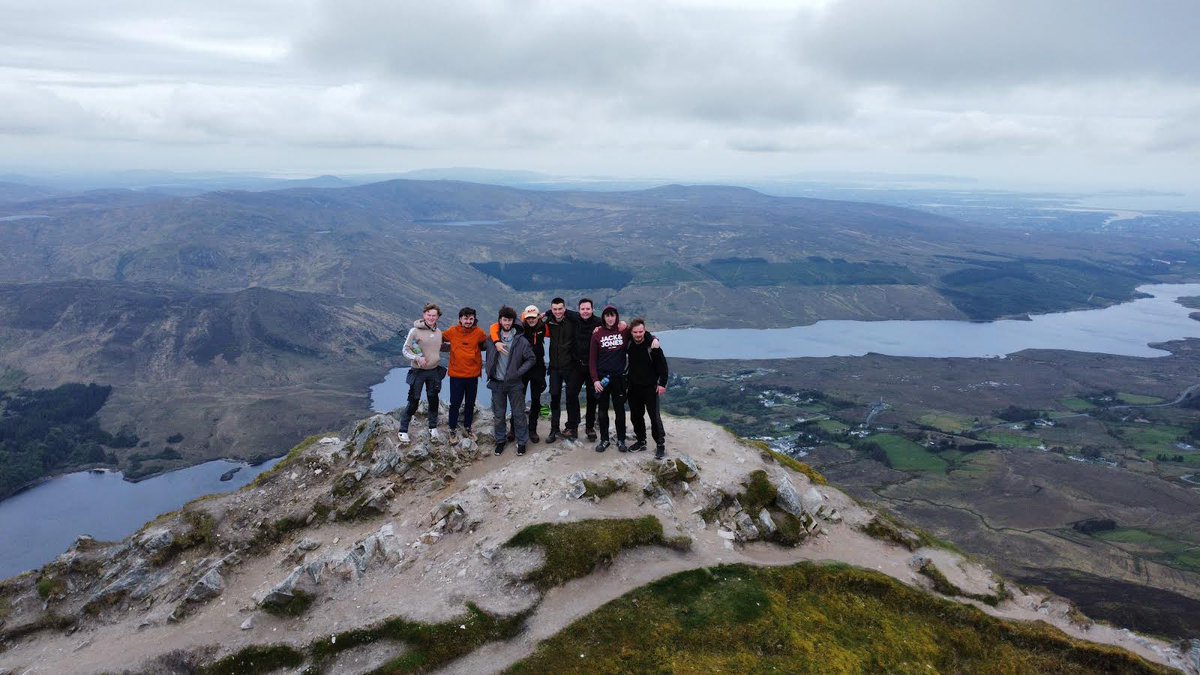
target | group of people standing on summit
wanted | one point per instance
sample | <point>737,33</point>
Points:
<point>610,361</point>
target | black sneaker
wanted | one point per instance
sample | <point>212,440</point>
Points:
<point>499,449</point>
<point>638,446</point>
<point>591,434</point>
<point>551,437</point>
<point>621,447</point>
<point>660,452</point>
<point>602,446</point>
<point>520,450</point>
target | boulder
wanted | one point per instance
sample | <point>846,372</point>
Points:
<point>745,528</point>
<point>766,524</point>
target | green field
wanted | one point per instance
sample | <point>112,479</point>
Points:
<point>904,455</point>
<point>1077,404</point>
<point>832,427</point>
<point>946,422</point>
<point>1152,439</point>
<point>1011,440</point>
<point>1164,549</point>
<point>1138,399</point>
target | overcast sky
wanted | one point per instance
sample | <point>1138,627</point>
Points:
<point>1079,94</point>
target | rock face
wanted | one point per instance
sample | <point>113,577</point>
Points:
<point>349,533</point>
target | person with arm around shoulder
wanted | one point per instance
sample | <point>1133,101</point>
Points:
<point>467,344</point>
<point>508,359</point>
<point>647,382</point>
<point>423,349</point>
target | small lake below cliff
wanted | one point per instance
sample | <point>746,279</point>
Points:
<point>38,524</point>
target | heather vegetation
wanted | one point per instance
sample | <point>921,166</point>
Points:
<point>808,618</point>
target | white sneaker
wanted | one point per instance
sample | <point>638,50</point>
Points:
<point>435,435</point>
<point>404,437</point>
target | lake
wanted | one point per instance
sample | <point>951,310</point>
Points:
<point>1126,330</point>
<point>40,523</point>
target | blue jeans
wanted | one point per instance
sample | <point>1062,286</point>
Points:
<point>431,380</point>
<point>462,394</point>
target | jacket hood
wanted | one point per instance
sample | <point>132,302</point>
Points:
<point>604,326</point>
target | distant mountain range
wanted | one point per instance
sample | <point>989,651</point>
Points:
<point>276,306</point>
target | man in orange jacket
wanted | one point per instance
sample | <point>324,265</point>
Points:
<point>467,342</point>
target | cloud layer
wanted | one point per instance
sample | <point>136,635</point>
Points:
<point>690,89</point>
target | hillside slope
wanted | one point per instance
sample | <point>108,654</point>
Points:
<point>358,554</point>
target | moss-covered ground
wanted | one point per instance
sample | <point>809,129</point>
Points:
<point>808,618</point>
<point>573,550</point>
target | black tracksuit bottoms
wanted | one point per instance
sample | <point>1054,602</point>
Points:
<point>644,400</point>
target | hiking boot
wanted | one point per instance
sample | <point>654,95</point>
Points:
<point>638,446</point>
<point>533,437</point>
<point>591,434</point>
<point>621,447</point>
<point>571,434</point>
<point>551,437</point>
<point>455,438</point>
<point>520,451</point>
<point>660,452</point>
<point>470,434</point>
<point>602,445</point>
<point>499,449</point>
<point>404,437</point>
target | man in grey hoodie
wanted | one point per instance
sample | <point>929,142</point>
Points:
<point>423,349</point>
<point>505,370</point>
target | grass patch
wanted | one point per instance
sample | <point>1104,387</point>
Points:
<point>255,659</point>
<point>943,585</point>
<point>50,586</point>
<point>1006,440</point>
<point>573,550</point>
<point>808,618</point>
<point>883,528</point>
<point>1151,437</point>
<point>199,533</point>
<point>291,458</point>
<point>1172,552</point>
<point>832,427</point>
<point>905,455</point>
<point>799,467</point>
<point>1077,404</point>
<point>429,646</point>
<point>600,489</point>
<point>946,422</point>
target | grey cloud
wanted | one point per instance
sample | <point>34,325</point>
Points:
<point>982,43</point>
<point>488,43</point>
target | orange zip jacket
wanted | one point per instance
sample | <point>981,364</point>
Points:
<point>466,351</point>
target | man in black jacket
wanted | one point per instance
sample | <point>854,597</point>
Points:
<point>562,330</point>
<point>585,321</point>
<point>647,381</point>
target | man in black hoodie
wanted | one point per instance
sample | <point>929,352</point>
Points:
<point>647,381</point>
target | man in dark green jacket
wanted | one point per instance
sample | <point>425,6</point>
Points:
<point>562,331</point>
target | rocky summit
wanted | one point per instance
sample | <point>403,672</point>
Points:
<point>357,553</point>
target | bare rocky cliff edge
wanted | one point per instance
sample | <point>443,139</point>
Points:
<point>360,554</point>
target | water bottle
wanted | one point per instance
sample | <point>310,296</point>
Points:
<point>604,382</point>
